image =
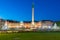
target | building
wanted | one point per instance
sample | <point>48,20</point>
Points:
<point>15,25</point>
<point>47,24</point>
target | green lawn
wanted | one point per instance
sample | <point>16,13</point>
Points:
<point>30,36</point>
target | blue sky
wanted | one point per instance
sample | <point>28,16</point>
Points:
<point>21,10</point>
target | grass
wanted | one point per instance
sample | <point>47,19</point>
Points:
<point>30,36</point>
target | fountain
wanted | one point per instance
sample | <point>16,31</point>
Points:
<point>55,27</point>
<point>5,27</point>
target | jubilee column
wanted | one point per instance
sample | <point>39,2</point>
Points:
<point>32,13</point>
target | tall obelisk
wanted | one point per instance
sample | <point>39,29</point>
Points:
<point>32,13</point>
